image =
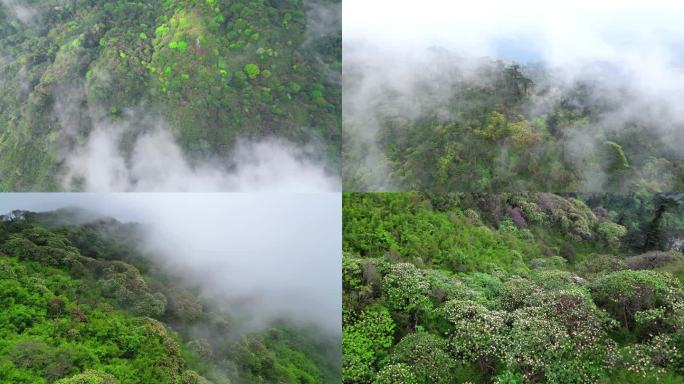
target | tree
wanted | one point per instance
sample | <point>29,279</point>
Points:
<point>252,71</point>
<point>654,232</point>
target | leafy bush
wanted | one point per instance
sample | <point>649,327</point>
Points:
<point>426,356</point>
<point>477,333</point>
<point>406,288</point>
<point>625,293</point>
<point>364,343</point>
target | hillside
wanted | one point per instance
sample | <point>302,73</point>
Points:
<point>209,72</point>
<point>495,126</point>
<point>83,302</point>
<point>513,288</point>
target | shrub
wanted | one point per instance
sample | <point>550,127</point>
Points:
<point>649,260</point>
<point>352,273</point>
<point>596,264</point>
<point>655,356</point>
<point>426,355</point>
<point>445,287</point>
<point>610,233</point>
<point>406,289</point>
<point>553,280</point>
<point>624,293</point>
<point>123,283</point>
<point>364,343</point>
<point>396,374</point>
<point>553,262</point>
<point>534,342</point>
<point>476,336</point>
<point>517,293</point>
<point>516,216</point>
<point>192,377</point>
<point>90,377</point>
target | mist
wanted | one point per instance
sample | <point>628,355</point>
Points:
<point>401,60</point>
<point>267,256</point>
<point>21,12</point>
<point>157,164</point>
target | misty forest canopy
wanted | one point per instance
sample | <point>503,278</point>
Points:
<point>499,126</point>
<point>513,288</point>
<point>211,71</point>
<point>81,303</point>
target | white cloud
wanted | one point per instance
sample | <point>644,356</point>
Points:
<point>577,29</point>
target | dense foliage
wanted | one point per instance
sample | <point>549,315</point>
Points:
<point>81,304</point>
<point>213,70</point>
<point>512,288</point>
<point>510,128</point>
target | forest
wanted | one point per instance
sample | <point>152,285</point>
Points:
<point>485,125</point>
<point>82,302</point>
<point>513,288</point>
<point>210,72</point>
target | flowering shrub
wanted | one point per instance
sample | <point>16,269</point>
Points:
<point>597,264</point>
<point>406,288</point>
<point>572,216</point>
<point>516,216</point>
<point>477,333</point>
<point>528,207</point>
<point>654,357</point>
<point>396,374</point>
<point>426,355</point>
<point>624,293</point>
<point>555,307</point>
<point>534,340</point>
<point>517,293</point>
<point>554,279</point>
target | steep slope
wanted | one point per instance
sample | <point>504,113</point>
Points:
<point>210,72</point>
<point>82,303</point>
